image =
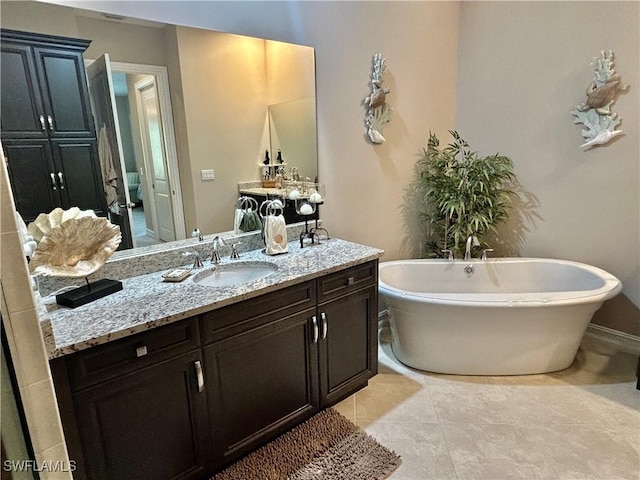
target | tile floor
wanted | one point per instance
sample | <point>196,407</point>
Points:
<point>582,423</point>
<point>140,229</point>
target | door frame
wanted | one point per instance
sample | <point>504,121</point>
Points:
<point>166,113</point>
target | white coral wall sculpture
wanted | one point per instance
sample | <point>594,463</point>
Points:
<point>595,114</point>
<point>378,110</point>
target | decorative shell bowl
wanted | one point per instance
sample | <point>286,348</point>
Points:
<point>76,247</point>
<point>47,221</point>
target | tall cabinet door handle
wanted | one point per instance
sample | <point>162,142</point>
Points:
<point>314,320</point>
<point>54,185</point>
<point>61,179</point>
<point>199,376</point>
<point>325,325</point>
<point>50,121</point>
<point>42,124</point>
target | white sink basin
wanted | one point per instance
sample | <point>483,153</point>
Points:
<point>234,273</point>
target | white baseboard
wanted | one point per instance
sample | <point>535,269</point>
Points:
<point>629,343</point>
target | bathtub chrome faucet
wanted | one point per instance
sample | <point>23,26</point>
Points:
<point>471,240</point>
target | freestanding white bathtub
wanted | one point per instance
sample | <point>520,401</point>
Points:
<point>502,316</point>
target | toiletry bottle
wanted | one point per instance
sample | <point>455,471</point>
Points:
<point>267,160</point>
<point>279,157</point>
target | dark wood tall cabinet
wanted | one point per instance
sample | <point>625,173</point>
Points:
<point>48,132</point>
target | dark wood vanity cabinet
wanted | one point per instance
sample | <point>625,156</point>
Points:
<point>261,367</point>
<point>348,331</point>
<point>47,129</point>
<point>197,400</point>
<point>275,360</point>
<point>136,408</point>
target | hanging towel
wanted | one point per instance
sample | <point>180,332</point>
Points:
<point>250,221</point>
<point>275,234</point>
<point>109,175</point>
<point>237,220</point>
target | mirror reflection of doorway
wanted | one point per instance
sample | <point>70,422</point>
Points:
<point>142,224</point>
<point>149,158</point>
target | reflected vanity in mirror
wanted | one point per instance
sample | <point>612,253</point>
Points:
<point>193,112</point>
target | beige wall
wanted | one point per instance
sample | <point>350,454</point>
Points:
<point>290,72</point>
<point>522,67</point>
<point>224,88</point>
<point>291,123</point>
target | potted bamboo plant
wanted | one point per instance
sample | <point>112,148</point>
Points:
<point>462,194</point>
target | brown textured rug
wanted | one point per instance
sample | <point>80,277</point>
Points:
<point>325,447</point>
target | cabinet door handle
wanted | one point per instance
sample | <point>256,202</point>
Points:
<point>50,120</point>
<point>42,124</point>
<point>54,185</point>
<point>61,178</point>
<point>199,376</point>
<point>351,281</point>
<point>315,329</point>
<point>325,325</point>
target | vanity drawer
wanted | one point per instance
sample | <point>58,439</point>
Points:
<point>346,281</point>
<point>248,314</point>
<point>104,362</point>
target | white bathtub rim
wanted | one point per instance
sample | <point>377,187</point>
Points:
<point>612,286</point>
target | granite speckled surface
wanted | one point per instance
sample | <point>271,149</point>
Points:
<point>147,302</point>
<point>140,261</point>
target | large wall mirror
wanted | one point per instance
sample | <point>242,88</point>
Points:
<point>195,110</point>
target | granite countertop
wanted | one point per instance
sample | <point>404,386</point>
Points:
<point>146,301</point>
<point>264,191</point>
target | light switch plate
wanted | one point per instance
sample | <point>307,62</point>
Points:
<point>208,174</point>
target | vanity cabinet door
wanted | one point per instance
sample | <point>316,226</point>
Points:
<point>348,321</point>
<point>260,383</point>
<point>348,344</point>
<point>148,424</point>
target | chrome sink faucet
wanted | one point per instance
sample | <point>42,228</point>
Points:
<point>217,243</point>
<point>471,240</point>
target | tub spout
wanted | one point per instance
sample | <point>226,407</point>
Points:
<point>471,240</point>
